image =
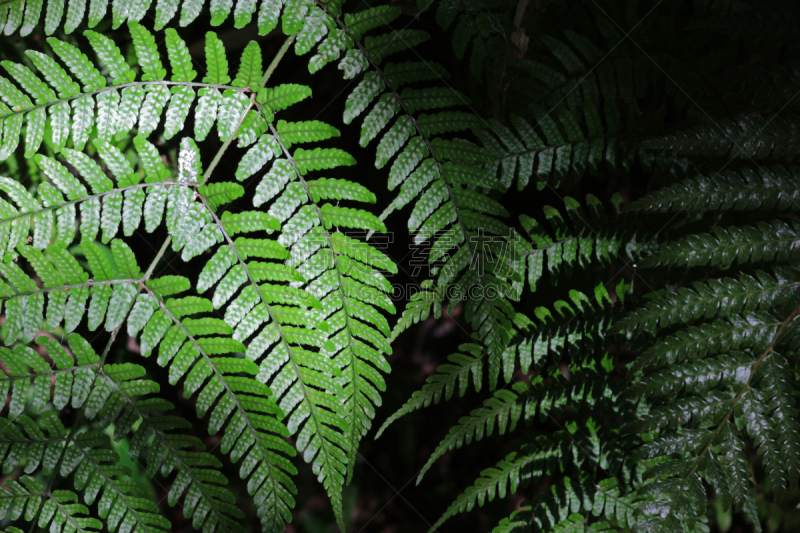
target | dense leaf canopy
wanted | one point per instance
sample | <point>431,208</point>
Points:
<point>578,292</point>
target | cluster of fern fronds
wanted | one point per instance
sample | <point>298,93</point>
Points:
<point>648,375</point>
<point>615,234</point>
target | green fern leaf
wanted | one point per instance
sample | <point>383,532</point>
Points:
<point>69,106</point>
<point>755,137</point>
<point>705,300</point>
<point>250,69</point>
<point>780,450</point>
<point>502,409</point>
<point>449,376</point>
<point>764,241</point>
<point>500,480</point>
<point>754,330</point>
<point>59,508</point>
<point>164,11</point>
<point>742,190</point>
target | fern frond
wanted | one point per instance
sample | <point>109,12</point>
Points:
<point>558,149</point>
<point>505,477</point>
<point>694,377</point>
<point>238,404</point>
<point>583,74</point>
<point>92,462</point>
<point>425,303</point>
<point>320,346</point>
<point>121,402</point>
<point>579,502</point>
<point>105,207</point>
<point>27,499</point>
<point>293,15</point>
<point>68,288</point>
<point>721,298</point>
<point>503,409</point>
<point>586,238</point>
<point>207,502</point>
<point>456,373</point>
<point>344,274</point>
<point>779,442</point>
<point>771,188</point>
<point>674,487</point>
<point>95,466</point>
<point>122,103</point>
<point>695,411</point>
<point>714,449</point>
<point>768,241</point>
<point>559,335</point>
<point>510,525</point>
<point>481,26</point>
<point>752,137</point>
<point>674,501</point>
<point>451,207</point>
<point>198,348</point>
<point>753,330</point>
<point>576,522</point>
<point>110,400</point>
<point>607,499</point>
<point>506,407</point>
<point>739,484</point>
<point>73,377</point>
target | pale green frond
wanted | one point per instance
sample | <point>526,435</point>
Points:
<point>120,104</point>
<point>54,13</point>
<point>443,187</point>
<point>351,348</point>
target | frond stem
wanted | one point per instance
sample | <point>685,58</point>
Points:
<point>64,511</point>
<point>231,394</point>
<point>277,59</point>
<point>270,69</point>
<point>111,483</point>
<point>228,142</point>
<point>90,283</point>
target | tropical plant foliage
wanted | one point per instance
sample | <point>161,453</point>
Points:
<point>615,241</point>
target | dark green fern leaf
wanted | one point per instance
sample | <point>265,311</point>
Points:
<point>773,188</point>
<point>752,137</point>
<point>763,242</point>
<point>557,148</point>
<point>588,235</point>
<point>721,298</point>
<point>455,374</point>
<point>505,477</point>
